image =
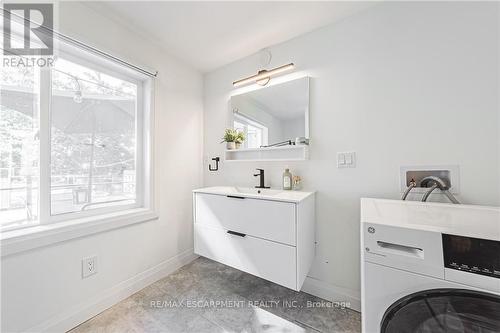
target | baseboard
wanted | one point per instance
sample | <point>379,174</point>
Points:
<point>66,320</point>
<point>332,293</point>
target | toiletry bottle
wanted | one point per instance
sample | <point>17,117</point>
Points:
<point>287,180</point>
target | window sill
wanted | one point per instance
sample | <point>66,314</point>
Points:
<point>29,238</point>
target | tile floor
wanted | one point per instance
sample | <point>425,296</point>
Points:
<point>205,296</point>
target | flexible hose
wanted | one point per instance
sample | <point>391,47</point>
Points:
<point>408,189</point>
<point>426,194</point>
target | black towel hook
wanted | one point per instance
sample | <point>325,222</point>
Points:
<point>216,159</point>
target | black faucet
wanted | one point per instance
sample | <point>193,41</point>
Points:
<point>261,181</point>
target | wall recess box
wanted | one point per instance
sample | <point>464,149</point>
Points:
<point>447,172</point>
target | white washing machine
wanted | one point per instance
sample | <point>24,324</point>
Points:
<point>429,267</point>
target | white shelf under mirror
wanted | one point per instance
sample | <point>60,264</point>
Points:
<point>284,153</point>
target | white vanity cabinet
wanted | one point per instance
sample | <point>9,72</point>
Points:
<point>270,236</point>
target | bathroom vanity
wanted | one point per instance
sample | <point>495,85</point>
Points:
<point>265,232</point>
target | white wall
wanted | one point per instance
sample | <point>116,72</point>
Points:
<point>42,286</point>
<point>401,84</point>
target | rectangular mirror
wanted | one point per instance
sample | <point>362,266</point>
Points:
<point>274,114</point>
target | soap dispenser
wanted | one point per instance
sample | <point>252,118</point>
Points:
<point>287,179</point>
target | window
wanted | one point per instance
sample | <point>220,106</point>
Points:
<point>256,134</point>
<point>72,139</point>
<point>19,146</point>
<point>93,134</point>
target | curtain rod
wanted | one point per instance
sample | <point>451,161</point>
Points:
<point>84,46</point>
<point>104,54</point>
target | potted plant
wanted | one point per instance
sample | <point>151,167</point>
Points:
<point>240,137</point>
<point>230,138</point>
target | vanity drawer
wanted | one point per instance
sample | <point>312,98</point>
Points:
<point>271,220</point>
<point>269,260</point>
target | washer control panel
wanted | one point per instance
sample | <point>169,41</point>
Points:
<point>473,255</point>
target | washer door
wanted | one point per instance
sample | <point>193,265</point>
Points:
<point>444,310</point>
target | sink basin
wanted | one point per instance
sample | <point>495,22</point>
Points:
<point>256,191</point>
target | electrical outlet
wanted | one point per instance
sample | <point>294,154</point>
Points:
<point>89,266</point>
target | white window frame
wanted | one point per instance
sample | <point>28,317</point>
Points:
<point>102,66</point>
<point>76,224</point>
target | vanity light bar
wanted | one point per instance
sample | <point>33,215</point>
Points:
<point>264,74</point>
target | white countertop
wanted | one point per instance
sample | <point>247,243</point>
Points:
<point>463,220</point>
<point>248,192</point>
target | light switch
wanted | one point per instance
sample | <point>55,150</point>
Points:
<point>346,160</point>
<point>340,160</point>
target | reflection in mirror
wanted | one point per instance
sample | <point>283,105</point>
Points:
<point>274,114</point>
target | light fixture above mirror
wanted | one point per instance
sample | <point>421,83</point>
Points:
<point>264,76</point>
